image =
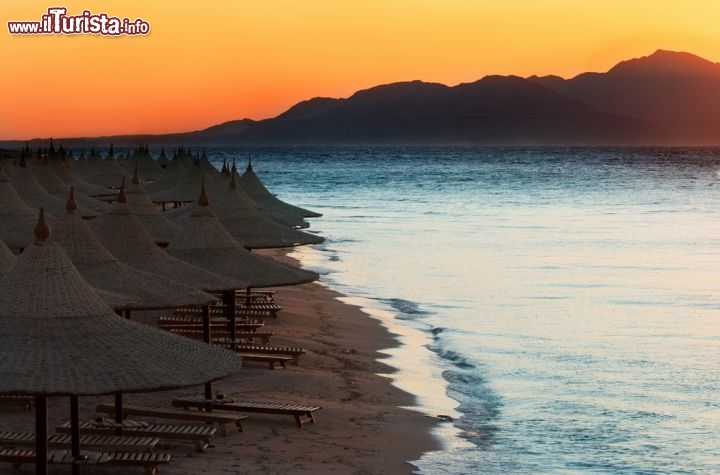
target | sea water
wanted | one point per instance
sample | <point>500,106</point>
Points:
<point>560,306</point>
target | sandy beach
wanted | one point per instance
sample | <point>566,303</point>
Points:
<point>361,428</point>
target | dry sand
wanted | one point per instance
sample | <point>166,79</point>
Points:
<point>361,428</point>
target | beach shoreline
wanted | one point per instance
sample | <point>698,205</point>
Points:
<point>364,426</point>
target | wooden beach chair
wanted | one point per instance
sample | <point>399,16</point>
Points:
<point>170,322</point>
<point>270,359</point>
<point>199,434</point>
<point>294,353</point>
<point>224,333</point>
<point>147,460</point>
<point>302,414</point>
<point>241,313</point>
<point>221,420</point>
<point>253,296</point>
<point>107,443</point>
<point>271,307</point>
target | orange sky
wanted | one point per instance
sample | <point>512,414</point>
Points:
<point>207,62</point>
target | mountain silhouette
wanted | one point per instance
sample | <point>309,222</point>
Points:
<point>494,110</point>
<point>678,92</point>
<point>666,98</point>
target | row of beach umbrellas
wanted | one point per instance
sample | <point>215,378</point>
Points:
<point>60,334</point>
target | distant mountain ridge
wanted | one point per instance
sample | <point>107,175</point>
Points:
<point>666,98</point>
<point>679,92</point>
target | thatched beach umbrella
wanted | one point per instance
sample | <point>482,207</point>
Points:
<point>17,219</point>
<point>162,159</point>
<point>269,203</point>
<point>58,338</point>
<point>103,270</point>
<point>121,232</point>
<point>161,229</point>
<point>183,190</point>
<point>117,301</point>
<point>35,196</point>
<point>65,172</point>
<point>148,168</point>
<point>52,183</point>
<point>251,228</point>
<point>205,243</point>
<point>174,172</point>
<point>101,172</point>
<point>7,259</point>
<point>244,221</point>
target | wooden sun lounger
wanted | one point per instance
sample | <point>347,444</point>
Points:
<point>295,353</point>
<point>220,325</point>
<point>170,413</point>
<point>198,434</point>
<point>108,443</point>
<point>220,334</point>
<point>241,313</point>
<point>254,295</point>
<point>301,413</point>
<point>271,307</point>
<point>26,402</point>
<point>241,307</point>
<point>270,359</point>
<point>147,460</point>
<point>170,321</point>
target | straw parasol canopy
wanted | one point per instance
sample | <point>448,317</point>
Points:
<point>104,272</point>
<point>17,219</point>
<point>251,184</point>
<point>117,301</point>
<point>148,168</point>
<point>122,233</point>
<point>35,196</point>
<point>7,259</point>
<point>58,338</point>
<point>254,230</point>
<point>174,172</point>
<point>161,229</point>
<point>205,243</point>
<point>52,183</point>
<point>65,172</point>
<point>183,190</point>
<point>101,172</point>
<point>162,159</point>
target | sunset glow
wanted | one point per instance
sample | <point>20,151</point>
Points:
<point>210,62</point>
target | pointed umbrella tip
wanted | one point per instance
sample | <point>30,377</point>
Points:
<point>136,177</point>
<point>203,200</point>
<point>232,179</point>
<point>71,205</point>
<point>42,231</point>
<point>122,197</point>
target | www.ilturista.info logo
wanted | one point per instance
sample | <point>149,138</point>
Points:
<point>58,22</point>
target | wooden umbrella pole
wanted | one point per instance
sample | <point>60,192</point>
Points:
<point>41,448</point>
<point>75,432</point>
<point>206,324</point>
<point>118,412</point>
<point>226,308</point>
<point>233,317</point>
<point>207,338</point>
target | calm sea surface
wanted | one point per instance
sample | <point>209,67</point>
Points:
<point>561,305</point>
